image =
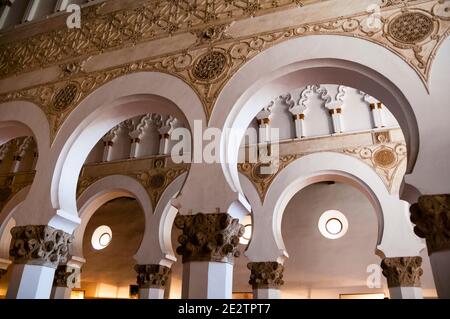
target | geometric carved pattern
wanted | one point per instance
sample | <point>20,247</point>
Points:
<point>64,97</point>
<point>266,275</point>
<point>208,237</point>
<point>102,31</point>
<point>261,181</point>
<point>431,216</point>
<point>210,66</point>
<point>411,27</point>
<point>152,276</point>
<point>402,271</point>
<point>39,245</point>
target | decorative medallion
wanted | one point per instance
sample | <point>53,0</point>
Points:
<point>210,66</point>
<point>64,97</point>
<point>411,27</point>
<point>157,181</point>
<point>384,158</point>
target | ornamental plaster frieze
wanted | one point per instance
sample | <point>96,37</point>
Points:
<point>387,158</point>
<point>208,68</point>
<point>154,174</point>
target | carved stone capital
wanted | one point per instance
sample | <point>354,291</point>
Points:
<point>2,272</point>
<point>402,271</point>
<point>152,276</point>
<point>431,215</point>
<point>66,276</point>
<point>266,275</point>
<point>209,237</point>
<point>39,245</point>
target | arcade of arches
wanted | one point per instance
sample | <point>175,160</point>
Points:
<point>326,122</point>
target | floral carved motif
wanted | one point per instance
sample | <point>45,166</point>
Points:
<point>152,276</point>
<point>402,271</point>
<point>261,181</point>
<point>431,216</point>
<point>39,245</point>
<point>385,158</point>
<point>208,237</point>
<point>265,275</point>
<point>66,276</point>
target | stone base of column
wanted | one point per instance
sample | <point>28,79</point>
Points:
<point>151,293</point>
<point>60,292</point>
<point>270,293</point>
<point>30,282</point>
<point>440,265</point>
<point>405,293</point>
<point>207,280</point>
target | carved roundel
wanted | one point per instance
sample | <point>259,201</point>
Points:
<point>64,97</point>
<point>411,27</point>
<point>210,66</point>
<point>157,181</point>
<point>261,172</point>
<point>385,158</point>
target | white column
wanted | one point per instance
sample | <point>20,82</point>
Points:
<point>30,282</point>
<point>134,147</point>
<point>336,116</point>
<point>377,114</point>
<point>164,143</point>
<point>403,276</point>
<point>266,279</point>
<point>151,293</point>
<point>107,148</point>
<point>61,5</point>
<point>405,293</point>
<point>270,293</point>
<point>66,278</point>
<point>153,280</point>
<point>4,15</point>
<point>37,250</point>
<point>207,280</point>
<point>16,163</point>
<point>299,121</point>
<point>440,265</point>
<point>31,10</point>
<point>61,292</point>
<point>208,263</point>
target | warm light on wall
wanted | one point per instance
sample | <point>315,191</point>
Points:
<point>247,222</point>
<point>361,296</point>
<point>77,294</point>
